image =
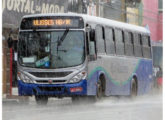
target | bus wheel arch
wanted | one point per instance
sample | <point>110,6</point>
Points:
<point>134,86</point>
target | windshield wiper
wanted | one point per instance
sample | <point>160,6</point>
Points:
<point>59,41</point>
<point>62,37</point>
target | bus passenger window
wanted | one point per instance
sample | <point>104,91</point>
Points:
<point>119,42</point>
<point>91,45</point>
<point>110,45</point>
<point>99,39</point>
<point>149,44</point>
<point>146,47</point>
<point>141,44</point>
<point>87,44</point>
<point>137,45</point>
<point>92,52</point>
<point>128,44</point>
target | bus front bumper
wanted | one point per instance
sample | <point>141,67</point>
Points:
<point>27,89</point>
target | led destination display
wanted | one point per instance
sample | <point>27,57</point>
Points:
<point>52,22</point>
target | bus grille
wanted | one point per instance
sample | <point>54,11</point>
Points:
<point>49,89</point>
<point>50,74</point>
<point>48,81</point>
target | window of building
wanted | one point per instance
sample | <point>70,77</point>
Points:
<point>160,5</point>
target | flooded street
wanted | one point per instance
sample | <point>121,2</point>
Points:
<point>147,107</point>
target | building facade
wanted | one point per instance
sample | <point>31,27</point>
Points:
<point>152,12</point>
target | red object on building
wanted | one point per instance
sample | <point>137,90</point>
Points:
<point>160,26</point>
<point>11,69</point>
<point>153,18</point>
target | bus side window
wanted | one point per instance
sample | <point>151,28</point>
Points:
<point>100,42</point>
<point>119,42</point>
<point>149,44</point>
<point>110,45</point>
<point>137,45</point>
<point>87,43</point>
<point>128,44</point>
<point>92,45</point>
<point>141,44</point>
<point>146,47</point>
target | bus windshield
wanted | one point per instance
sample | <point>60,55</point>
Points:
<point>51,49</point>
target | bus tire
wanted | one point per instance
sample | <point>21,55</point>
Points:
<point>41,100</point>
<point>75,99</point>
<point>99,92</point>
<point>133,88</point>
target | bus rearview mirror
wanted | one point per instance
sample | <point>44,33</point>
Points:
<point>87,29</point>
<point>92,35</point>
<point>92,48</point>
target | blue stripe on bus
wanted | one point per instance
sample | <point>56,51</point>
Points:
<point>142,69</point>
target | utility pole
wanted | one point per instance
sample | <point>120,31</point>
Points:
<point>97,8</point>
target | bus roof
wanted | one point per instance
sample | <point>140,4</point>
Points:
<point>98,20</point>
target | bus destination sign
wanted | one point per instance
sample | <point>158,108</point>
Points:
<point>55,22</point>
<point>51,22</point>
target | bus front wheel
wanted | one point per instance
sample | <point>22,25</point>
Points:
<point>41,100</point>
<point>75,99</point>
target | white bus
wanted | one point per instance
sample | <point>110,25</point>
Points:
<point>75,55</point>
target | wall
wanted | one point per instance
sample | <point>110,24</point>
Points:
<point>160,27</point>
<point>152,18</point>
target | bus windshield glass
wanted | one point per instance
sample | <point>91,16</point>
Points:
<point>54,49</point>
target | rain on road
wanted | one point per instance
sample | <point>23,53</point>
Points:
<point>147,107</point>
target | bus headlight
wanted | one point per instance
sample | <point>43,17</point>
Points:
<point>78,77</point>
<point>24,78</point>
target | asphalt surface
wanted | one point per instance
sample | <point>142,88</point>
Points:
<point>146,107</point>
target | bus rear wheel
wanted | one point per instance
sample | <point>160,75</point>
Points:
<point>41,100</point>
<point>99,93</point>
<point>133,88</point>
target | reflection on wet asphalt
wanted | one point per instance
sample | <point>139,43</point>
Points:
<point>147,107</point>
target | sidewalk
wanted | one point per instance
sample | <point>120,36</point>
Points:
<point>14,98</point>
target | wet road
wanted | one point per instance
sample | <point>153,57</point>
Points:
<point>147,107</point>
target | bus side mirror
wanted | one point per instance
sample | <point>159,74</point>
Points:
<point>10,42</point>
<point>92,53</point>
<point>92,35</point>
<point>92,48</point>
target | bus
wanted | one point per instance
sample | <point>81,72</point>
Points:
<point>76,55</point>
